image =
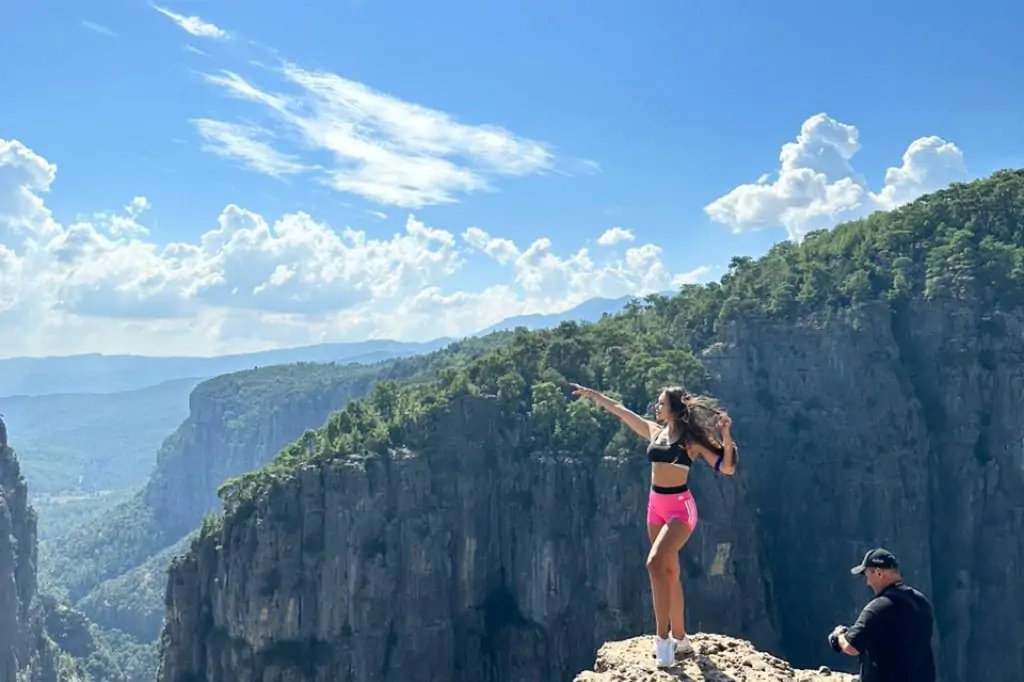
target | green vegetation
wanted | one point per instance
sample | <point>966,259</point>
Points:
<point>83,651</point>
<point>121,539</point>
<point>966,242</point>
<point>133,602</point>
<point>82,443</point>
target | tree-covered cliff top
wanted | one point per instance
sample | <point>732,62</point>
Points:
<point>965,241</point>
<point>252,387</point>
<point>245,396</point>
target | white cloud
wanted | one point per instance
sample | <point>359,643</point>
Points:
<point>385,149</point>
<point>550,283</point>
<point>615,235</point>
<point>102,283</point>
<point>98,28</point>
<point>242,142</point>
<point>817,187</point>
<point>194,25</point>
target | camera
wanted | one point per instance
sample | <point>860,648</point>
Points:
<point>833,640</point>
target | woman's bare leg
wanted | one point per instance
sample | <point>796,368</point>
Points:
<point>677,601</point>
<point>663,568</point>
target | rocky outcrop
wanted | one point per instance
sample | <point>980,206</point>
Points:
<point>470,558</point>
<point>20,622</point>
<point>29,650</point>
<point>900,427</point>
<point>718,658</point>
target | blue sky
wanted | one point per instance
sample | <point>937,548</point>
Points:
<point>640,119</point>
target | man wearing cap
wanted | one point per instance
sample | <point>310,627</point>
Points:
<point>893,633</point>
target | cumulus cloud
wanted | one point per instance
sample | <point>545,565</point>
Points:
<point>550,282</point>
<point>615,235</point>
<point>816,186</point>
<point>249,282</point>
<point>194,25</point>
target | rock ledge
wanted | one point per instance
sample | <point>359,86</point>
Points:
<point>718,658</point>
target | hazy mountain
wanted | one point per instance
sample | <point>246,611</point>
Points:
<point>94,441</point>
<point>98,373</point>
<point>589,311</point>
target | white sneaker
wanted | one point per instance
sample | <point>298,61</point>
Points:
<point>665,651</point>
<point>682,647</point>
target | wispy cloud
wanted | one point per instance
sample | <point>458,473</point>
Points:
<point>194,50</point>
<point>242,142</point>
<point>386,149</point>
<point>98,28</point>
<point>194,25</point>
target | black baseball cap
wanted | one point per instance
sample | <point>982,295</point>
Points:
<point>876,558</point>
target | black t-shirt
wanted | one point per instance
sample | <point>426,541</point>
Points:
<point>894,637</point>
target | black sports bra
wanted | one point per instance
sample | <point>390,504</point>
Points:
<point>668,453</point>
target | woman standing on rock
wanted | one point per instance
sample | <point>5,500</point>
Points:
<point>672,449</point>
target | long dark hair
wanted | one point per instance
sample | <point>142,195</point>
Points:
<point>696,417</point>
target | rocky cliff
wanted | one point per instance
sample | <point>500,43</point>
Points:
<point>893,426</point>
<point>473,530</point>
<point>718,658</point>
<point>33,648</point>
<point>466,558</point>
<point>856,445</point>
<point>20,619</point>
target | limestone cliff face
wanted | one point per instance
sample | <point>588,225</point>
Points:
<point>28,652</point>
<point>20,624</point>
<point>903,428</point>
<point>467,559</point>
<point>233,428</point>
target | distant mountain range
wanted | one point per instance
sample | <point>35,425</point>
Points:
<point>98,373</point>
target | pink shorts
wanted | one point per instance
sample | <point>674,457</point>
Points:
<point>665,504</point>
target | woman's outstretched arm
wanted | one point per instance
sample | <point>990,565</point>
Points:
<point>645,428</point>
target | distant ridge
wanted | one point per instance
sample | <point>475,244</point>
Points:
<point>100,373</point>
<point>589,311</point>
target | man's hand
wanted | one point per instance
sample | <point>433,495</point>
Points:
<point>833,638</point>
<point>837,640</point>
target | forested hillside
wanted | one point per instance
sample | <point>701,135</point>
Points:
<point>966,242</point>
<point>873,371</point>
